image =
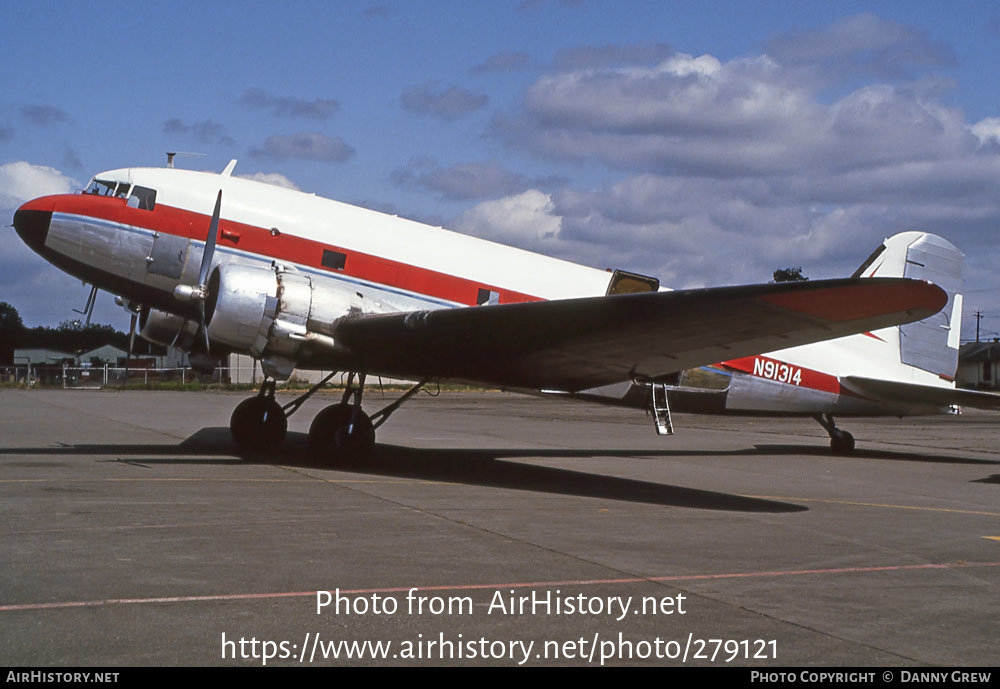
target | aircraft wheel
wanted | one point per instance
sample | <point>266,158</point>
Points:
<point>329,436</point>
<point>258,424</point>
<point>842,442</point>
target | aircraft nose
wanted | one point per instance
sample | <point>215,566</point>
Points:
<point>32,225</point>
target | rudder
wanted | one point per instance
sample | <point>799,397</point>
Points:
<point>931,344</point>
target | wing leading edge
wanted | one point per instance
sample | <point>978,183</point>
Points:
<point>576,344</point>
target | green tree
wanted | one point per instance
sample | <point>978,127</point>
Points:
<point>789,275</point>
<point>11,332</point>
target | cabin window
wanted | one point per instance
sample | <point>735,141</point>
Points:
<point>334,260</point>
<point>487,296</point>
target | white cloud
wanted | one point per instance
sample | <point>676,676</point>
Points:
<point>275,178</point>
<point>861,44</point>
<point>284,106</point>
<point>748,116</point>
<point>305,146</point>
<point>449,103</point>
<point>525,220</point>
<point>684,65</point>
<point>22,181</point>
<point>42,294</point>
<point>987,129</point>
<point>475,180</point>
<point>206,131</point>
<point>733,168</point>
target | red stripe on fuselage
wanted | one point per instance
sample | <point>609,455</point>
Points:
<point>283,247</point>
<point>782,372</point>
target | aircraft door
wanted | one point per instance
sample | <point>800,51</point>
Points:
<point>168,255</point>
<point>624,282</point>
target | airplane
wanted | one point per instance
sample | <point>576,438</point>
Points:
<point>215,263</point>
<point>903,370</point>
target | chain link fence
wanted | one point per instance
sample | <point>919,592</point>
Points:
<point>69,376</point>
<point>108,375</point>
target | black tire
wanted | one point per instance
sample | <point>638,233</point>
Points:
<point>258,424</point>
<point>842,442</point>
<point>329,437</point>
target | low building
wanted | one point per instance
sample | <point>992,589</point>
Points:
<point>41,356</point>
<point>979,365</point>
<point>107,354</point>
<point>39,364</point>
<point>243,368</point>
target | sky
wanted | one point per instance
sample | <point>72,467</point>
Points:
<point>703,143</point>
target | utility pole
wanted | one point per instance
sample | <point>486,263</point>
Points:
<point>979,317</point>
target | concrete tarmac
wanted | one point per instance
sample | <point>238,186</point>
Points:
<point>134,534</point>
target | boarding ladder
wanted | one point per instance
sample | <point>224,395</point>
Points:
<point>661,410</point>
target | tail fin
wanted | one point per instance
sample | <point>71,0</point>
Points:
<point>931,344</point>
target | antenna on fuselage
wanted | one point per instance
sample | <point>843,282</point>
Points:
<point>185,154</point>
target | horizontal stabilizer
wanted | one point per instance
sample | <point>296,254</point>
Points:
<point>890,391</point>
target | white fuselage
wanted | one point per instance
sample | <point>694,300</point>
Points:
<point>142,246</point>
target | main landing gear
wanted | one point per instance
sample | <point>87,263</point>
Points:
<point>841,442</point>
<point>343,429</point>
<point>259,423</point>
<point>339,431</point>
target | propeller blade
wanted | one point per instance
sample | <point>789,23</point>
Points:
<point>131,333</point>
<point>197,293</point>
<point>177,337</point>
<point>131,344</point>
<point>213,232</point>
<point>204,326</point>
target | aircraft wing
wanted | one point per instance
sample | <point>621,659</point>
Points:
<point>576,344</point>
<point>894,392</point>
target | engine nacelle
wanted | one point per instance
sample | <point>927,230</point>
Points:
<point>160,327</point>
<point>273,313</point>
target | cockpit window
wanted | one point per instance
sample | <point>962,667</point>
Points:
<point>136,196</point>
<point>101,187</point>
<point>143,198</point>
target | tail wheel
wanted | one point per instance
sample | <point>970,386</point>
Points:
<point>258,424</point>
<point>841,442</point>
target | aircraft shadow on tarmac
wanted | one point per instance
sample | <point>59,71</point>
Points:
<point>995,478</point>
<point>482,467</point>
<point>477,467</point>
<point>867,453</point>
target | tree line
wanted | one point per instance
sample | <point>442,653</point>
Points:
<point>68,336</point>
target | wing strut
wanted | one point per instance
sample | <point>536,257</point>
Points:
<point>382,415</point>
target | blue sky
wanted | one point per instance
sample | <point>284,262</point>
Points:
<point>706,143</point>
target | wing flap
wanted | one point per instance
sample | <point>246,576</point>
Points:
<point>576,344</point>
